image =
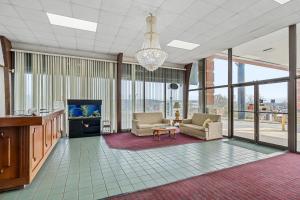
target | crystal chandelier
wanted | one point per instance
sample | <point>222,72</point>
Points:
<point>150,56</point>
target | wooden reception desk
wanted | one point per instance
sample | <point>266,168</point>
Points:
<point>25,144</point>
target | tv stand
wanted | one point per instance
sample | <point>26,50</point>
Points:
<point>84,126</point>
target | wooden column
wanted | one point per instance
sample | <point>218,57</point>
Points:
<point>118,91</point>
<point>186,85</point>
<point>292,96</point>
<point>7,57</point>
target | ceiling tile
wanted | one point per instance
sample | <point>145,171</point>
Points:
<point>88,3</point>
<point>85,13</point>
<point>63,31</point>
<point>176,6</point>
<point>7,10</point>
<point>116,6</point>
<point>57,7</point>
<point>33,15</point>
<point>32,4</point>
<point>110,18</point>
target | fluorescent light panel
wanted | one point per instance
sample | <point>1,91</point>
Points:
<point>282,1</point>
<point>72,22</point>
<point>183,45</point>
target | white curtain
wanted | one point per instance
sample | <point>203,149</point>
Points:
<point>42,81</point>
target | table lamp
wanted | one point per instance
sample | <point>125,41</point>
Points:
<point>177,114</point>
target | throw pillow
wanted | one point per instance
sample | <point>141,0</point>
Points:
<point>206,122</point>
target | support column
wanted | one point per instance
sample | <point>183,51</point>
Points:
<point>118,92</point>
<point>241,90</point>
<point>186,85</point>
<point>202,84</point>
<point>230,95</point>
<point>7,57</point>
<point>292,101</point>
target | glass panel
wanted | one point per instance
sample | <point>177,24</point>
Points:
<point>154,90</point>
<point>194,77</point>
<point>139,88</point>
<point>244,112</point>
<point>217,103</point>
<point>126,96</point>
<point>216,72</point>
<point>193,103</point>
<point>263,58</point>
<point>272,120</point>
<point>174,77</point>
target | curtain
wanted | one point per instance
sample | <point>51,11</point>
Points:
<point>46,81</point>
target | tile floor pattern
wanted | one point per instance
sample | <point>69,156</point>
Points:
<point>87,168</point>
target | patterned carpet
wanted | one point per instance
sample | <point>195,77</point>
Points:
<point>131,142</point>
<point>276,178</point>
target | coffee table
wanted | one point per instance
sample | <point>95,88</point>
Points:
<point>157,131</point>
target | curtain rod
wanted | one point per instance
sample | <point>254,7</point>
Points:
<point>61,55</point>
<point>135,63</point>
<point>81,57</point>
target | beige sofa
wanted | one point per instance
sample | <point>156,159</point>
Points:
<point>142,123</point>
<point>194,127</point>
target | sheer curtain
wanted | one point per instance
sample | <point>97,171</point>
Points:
<point>42,80</point>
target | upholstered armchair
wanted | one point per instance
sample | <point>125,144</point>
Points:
<point>142,123</point>
<point>202,126</point>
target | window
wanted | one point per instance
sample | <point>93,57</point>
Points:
<point>216,72</point>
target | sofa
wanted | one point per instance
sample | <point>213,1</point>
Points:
<point>142,123</point>
<point>202,126</point>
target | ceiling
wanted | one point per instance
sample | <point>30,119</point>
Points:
<point>214,24</point>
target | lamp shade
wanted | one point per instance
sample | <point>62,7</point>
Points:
<point>176,105</point>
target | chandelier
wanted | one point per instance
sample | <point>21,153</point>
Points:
<point>150,56</point>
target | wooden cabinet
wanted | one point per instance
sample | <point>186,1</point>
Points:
<point>25,144</point>
<point>36,145</point>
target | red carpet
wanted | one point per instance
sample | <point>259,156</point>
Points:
<point>132,142</point>
<point>276,178</point>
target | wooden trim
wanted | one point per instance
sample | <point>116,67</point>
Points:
<point>7,57</point>
<point>292,93</point>
<point>186,85</point>
<point>230,95</point>
<point>119,92</point>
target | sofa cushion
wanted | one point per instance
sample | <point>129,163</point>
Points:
<point>143,126</point>
<point>149,118</point>
<point>206,122</point>
<point>193,126</point>
<point>199,118</point>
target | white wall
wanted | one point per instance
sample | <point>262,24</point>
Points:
<point>2,102</point>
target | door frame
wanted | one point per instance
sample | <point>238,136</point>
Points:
<point>256,111</point>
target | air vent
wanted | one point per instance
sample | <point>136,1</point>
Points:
<point>268,50</point>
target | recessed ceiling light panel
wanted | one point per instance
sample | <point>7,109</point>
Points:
<point>183,45</point>
<point>282,1</point>
<point>70,22</point>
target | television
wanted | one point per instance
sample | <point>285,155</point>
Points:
<point>84,108</point>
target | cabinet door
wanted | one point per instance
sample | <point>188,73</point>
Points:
<point>48,136</point>
<point>54,130</point>
<point>9,147</point>
<point>36,142</point>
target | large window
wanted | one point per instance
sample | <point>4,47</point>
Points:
<point>217,103</point>
<point>140,87</point>
<point>216,71</point>
<point>154,91</point>
<point>193,104</point>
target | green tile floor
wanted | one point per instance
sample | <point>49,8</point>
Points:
<point>86,168</point>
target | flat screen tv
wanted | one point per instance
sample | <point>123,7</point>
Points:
<point>84,108</point>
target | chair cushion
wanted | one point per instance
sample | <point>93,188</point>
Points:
<point>143,126</point>
<point>193,126</point>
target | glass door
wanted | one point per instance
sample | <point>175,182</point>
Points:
<point>244,112</point>
<point>273,113</point>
